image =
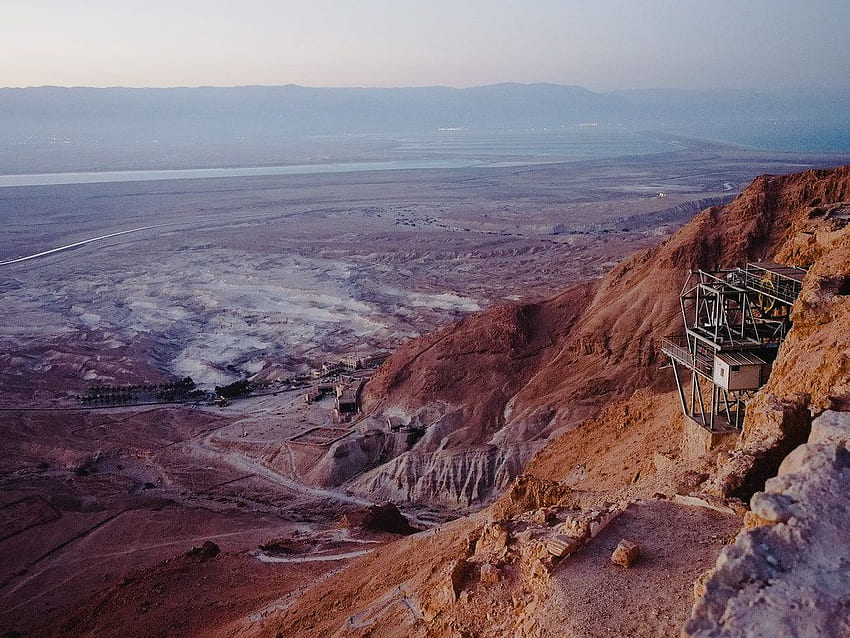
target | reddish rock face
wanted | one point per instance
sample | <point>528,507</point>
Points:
<point>515,374</point>
<point>551,351</point>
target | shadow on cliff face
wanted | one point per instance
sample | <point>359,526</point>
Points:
<point>797,425</point>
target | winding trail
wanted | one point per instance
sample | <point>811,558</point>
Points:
<point>90,562</point>
<point>76,244</point>
<point>313,558</point>
<point>204,448</point>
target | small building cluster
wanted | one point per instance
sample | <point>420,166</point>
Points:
<point>350,363</point>
<point>344,380</point>
<point>347,401</point>
<point>346,393</point>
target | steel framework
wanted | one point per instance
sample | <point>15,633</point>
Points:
<point>734,322</point>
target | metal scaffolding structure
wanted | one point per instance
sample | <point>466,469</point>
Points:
<point>734,322</point>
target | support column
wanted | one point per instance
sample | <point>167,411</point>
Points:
<point>679,387</point>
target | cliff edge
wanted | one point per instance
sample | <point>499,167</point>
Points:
<point>580,375</point>
<point>488,392</point>
<point>788,575</point>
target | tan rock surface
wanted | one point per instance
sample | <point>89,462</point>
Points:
<point>590,596</point>
<point>789,576</point>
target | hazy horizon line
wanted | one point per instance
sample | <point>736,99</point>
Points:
<point>801,87</point>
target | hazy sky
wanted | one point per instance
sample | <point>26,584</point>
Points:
<point>599,44</point>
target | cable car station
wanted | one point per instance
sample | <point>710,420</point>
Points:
<point>734,322</point>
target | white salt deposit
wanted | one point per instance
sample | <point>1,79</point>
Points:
<point>216,314</point>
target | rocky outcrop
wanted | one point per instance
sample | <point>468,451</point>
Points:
<point>812,371</point>
<point>626,553</point>
<point>521,373</point>
<point>451,478</point>
<point>789,575</point>
<point>207,551</point>
<point>525,565</point>
<point>377,518</point>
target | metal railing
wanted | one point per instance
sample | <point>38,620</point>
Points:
<point>678,348</point>
<point>772,283</point>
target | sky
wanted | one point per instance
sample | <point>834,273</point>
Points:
<point>602,45</point>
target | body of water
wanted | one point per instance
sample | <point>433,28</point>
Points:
<point>51,179</point>
<point>444,150</point>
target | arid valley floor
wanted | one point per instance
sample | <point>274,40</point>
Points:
<point>260,277</point>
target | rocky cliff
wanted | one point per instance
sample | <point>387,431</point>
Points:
<point>533,372</point>
<point>787,576</point>
<point>490,390</point>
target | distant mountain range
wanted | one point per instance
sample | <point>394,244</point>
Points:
<point>286,110</point>
<point>292,109</point>
<point>266,114</point>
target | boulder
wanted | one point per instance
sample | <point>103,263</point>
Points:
<point>626,553</point>
<point>206,551</point>
<point>385,517</point>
